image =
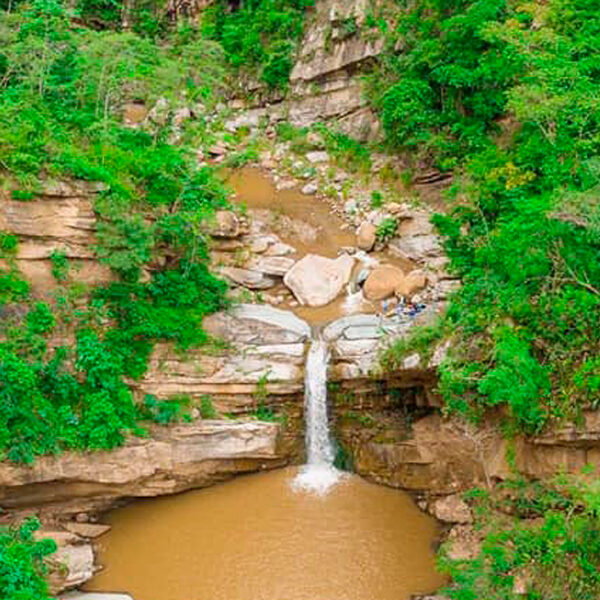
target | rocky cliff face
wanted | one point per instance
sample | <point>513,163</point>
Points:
<point>59,219</point>
<point>336,50</point>
<point>326,82</point>
<point>171,460</point>
<point>397,440</point>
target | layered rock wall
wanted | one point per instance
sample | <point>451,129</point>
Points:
<point>171,460</point>
<point>60,219</point>
<point>326,84</point>
<point>418,450</point>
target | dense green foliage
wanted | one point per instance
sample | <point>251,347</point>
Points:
<point>540,543</point>
<point>260,34</point>
<point>62,91</point>
<point>22,569</point>
<point>510,91</point>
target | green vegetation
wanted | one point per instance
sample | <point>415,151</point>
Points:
<point>207,409</point>
<point>509,92</point>
<point>22,568</point>
<point>503,93</point>
<point>387,229</point>
<point>376,199</point>
<point>163,412</point>
<point>260,35</point>
<point>345,151</point>
<point>262,411</point>
<point>62,93</point>
<point>506,94</point>
<point>540,543</point>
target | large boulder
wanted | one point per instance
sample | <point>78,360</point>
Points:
<point>418,248</point>
<point>316,280</point>
<point>414,282</point>
<point>366,236</point>
<point>382,282</point>
<point>277,266</point>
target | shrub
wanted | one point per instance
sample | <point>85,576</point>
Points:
<point>387,229</point>
<point>22,568</point>
<point>207,409</point>
<point>551,545</point>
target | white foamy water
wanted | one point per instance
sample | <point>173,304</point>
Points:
<point>352,302</point>
<point>318,474</point>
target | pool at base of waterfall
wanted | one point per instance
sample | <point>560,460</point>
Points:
<point>316,478</point>
<point>259,537</point>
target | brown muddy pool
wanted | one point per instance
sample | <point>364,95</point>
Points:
<point>255,538</point>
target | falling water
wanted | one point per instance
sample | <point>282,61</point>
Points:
<point>318,474</point>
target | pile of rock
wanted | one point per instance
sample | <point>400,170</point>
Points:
<point>415,242</point>
<point>245,255</point>
<point>254,259</point>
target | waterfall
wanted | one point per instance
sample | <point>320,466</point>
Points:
<point>318,474</point>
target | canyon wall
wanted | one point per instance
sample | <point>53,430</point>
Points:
<point>327,81</point>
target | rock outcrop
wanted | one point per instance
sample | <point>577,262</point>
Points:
<point>433,456</point>
<point>356,344</point>
<point>325,84</point>
<point>73,562</point>
<point>60,219</point>
<point>172,459</point>
<point>325,81</point>
<point>265,344</point>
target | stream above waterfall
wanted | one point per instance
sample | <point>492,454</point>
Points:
<point>256,538</point>
<point>308,223</point>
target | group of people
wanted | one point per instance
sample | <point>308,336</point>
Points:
<point>401,310</point>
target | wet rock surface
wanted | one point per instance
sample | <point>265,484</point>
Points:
<point>264,344</point>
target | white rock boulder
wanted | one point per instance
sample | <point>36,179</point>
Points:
<point>316,280</point>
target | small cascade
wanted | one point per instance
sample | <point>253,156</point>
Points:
<point>354,301</point>
<point>318,474</point>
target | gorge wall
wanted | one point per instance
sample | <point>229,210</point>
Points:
<point>326,83</point>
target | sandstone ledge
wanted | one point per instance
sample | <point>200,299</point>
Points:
<point>172,460</point>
